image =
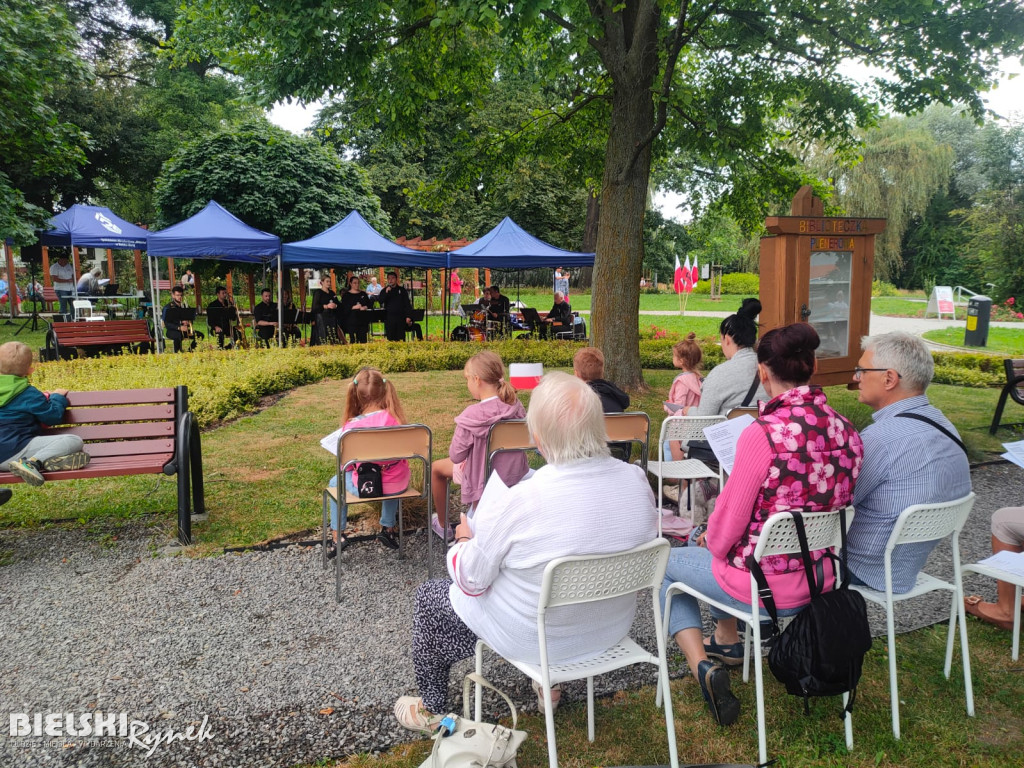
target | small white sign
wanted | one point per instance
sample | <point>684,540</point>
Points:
<point>941,302</point>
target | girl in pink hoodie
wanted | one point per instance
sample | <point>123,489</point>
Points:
<point>467,457</point>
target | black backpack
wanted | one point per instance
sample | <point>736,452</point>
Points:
<point>821,652</point>
<point>369,480</point>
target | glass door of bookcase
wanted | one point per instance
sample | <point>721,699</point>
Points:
<point>829,301</point>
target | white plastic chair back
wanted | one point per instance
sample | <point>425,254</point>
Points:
<point>82,308</point>
<point>929,522</point>
<point>590,578</point>
<point>779,536</point>
<point>686,428</point>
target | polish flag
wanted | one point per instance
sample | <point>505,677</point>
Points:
<point>525,375</point>
<point>696,272</point>
<point>677,281</point>
<point>687,276</point>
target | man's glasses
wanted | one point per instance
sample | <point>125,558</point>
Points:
<point>858,372</point>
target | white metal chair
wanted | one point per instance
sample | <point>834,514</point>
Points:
<point>778,537</point>
<point>631,427</point>
<point>682,428</point>
<point>591,578</point>
<point>921,523</point>
<point>380,444</point>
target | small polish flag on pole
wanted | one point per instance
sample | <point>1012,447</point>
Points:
<point>696,272</point>
<point>525,375</point>
<point>677,278</point>
<point>687,276</point>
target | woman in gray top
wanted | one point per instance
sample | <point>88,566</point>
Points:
<point>728,384</point>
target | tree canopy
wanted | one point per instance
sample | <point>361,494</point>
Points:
<point>291,186</point>
<point>37,59</point>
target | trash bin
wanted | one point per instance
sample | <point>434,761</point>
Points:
<point>979,312</point>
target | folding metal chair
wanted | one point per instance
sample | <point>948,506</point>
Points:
<point>382,445</point>
<point>632,427</point>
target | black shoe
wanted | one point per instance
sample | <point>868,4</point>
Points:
<point>714,684</point>
<point>5,495</point>
<point>333,548</point>
<point>387,538</point>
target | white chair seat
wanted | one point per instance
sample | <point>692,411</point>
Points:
<point>1012,578</point>
<point>622,654</point>
<point>922,586</point>
<point>686,469</point>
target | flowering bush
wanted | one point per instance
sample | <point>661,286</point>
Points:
<point>1007,310</point>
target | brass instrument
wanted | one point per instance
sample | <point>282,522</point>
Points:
<point>235,328</point>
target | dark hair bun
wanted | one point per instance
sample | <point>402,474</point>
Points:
<point>691,336</point>
<point>750,308</point>
<point>789,352</point>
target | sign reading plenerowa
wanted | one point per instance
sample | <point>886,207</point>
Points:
<point>109,729</point>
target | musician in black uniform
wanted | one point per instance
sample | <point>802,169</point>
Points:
<point>354,304</point>
<point>398,309</point>
<point>264,315</point>
<point>498,310</point>
<point>325,306</point>
<point>221,315</point>
<point>173,318</point>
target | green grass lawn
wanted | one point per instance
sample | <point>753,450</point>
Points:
<point>907,307</point>
<point>1006,341</point>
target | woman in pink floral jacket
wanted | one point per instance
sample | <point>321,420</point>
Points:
<point>799,454</point>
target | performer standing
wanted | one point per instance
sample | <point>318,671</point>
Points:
<point>354,304</point>
<point>398,309</point>
<point>325,305</point>
<point>62,274</point>
<point>264,315</point>
<point>221,315</point>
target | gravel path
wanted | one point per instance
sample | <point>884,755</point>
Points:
<point>255,642</point>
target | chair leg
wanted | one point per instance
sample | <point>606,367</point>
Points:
<point>762,740</point>
<point>748,651</point>
<point>950,633</point>
<point>549,724</point>
<point>401,547</point>
<point>591,732</point>
<point>894,694</point>
<point>1015,646</point>
<point>965,650</point>
<point>323,548</point>
<point>848,723</point>
<point>478,689</point>
<point>663,684</point>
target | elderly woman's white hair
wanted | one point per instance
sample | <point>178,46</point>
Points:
<point>566,420</point>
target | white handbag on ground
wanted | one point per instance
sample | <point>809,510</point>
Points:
<point>465,743</point>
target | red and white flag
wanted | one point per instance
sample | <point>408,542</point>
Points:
<point>696,272</point>
<point>687,276</point>
<point>677,280</point>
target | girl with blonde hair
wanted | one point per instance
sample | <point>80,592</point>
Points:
<point>372,401</point>
<point>467,457</point>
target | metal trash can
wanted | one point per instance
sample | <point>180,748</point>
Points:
<point>979,312</point>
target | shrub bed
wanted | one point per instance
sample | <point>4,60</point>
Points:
<point>225,385</point>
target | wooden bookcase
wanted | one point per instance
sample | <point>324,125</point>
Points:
<point>818,269</point>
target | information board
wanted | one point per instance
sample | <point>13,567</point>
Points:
<point>941,302</point>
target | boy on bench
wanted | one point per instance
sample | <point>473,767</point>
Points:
<point>22,409</point>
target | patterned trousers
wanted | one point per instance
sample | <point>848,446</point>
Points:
<point>439,639</point>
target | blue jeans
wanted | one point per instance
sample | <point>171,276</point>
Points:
<point>65,298</point>
<point>692,566</point>
<point>388,507</point>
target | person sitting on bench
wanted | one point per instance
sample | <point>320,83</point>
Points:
<point>23,408</point>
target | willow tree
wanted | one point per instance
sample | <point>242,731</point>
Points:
<point>901,168</point>
<point>720,84</point>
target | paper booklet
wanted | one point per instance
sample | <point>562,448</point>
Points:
<point>673,407</point>
<point>1014,453</point>
<point>1012,562</point>
<point>330,443</point>
<point>723,436</point>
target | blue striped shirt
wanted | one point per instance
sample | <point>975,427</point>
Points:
<point>906,462</point>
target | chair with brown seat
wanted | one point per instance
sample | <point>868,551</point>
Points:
<point>632,427</point>
<point>380,444</point>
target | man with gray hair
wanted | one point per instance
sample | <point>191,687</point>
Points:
<point>912,455</point>
<point>560,312</point>
<point>582,502</point>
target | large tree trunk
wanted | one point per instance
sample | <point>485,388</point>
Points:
<point>620,246</point>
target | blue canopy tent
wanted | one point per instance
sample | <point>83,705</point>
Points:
<point>354,243</point>
<point>214,233</point>
<point>93,226</point>
<point>509,246</point>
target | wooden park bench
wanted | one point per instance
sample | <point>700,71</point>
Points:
<point>1014,388</point>
<point>50,300</point>
<point>109,335</point>
<point>136,432</point>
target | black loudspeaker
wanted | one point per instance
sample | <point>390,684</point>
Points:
<point>32,255</point>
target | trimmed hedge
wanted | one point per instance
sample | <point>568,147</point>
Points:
<point>224,385</point>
